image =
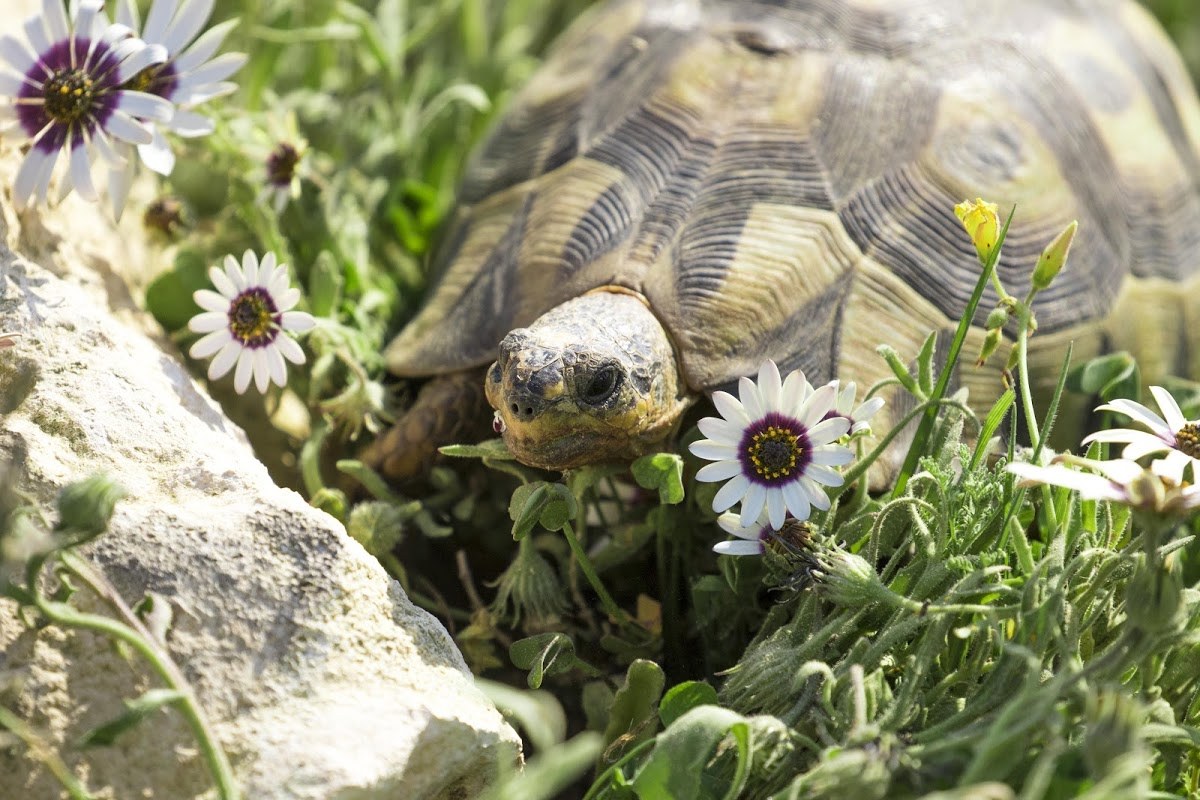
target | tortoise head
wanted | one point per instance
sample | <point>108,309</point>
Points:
<point>594,379</point>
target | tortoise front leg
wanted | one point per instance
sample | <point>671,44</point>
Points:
<point>449,409</point>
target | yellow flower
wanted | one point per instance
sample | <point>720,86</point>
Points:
<point>982,221</point>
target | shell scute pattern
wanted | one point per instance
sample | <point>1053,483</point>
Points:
<point>777,177</point>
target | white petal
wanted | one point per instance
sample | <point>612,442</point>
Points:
<point>250,268</point>
<point>796,500</point>
<point>731,493</point>
<point>751,398</point>
<point>739,548</point>
<point>770,385</point>
<point>125,127</point>
<point>127,14</point>
<point>234,271</point>
<point>262,373</point>
<point>157,155</point>
<point>832,455</point>
<point>289,349</point>
<point>199,95</point>
<point>296,321</point>
<point>187,24</point>
<point>776,508</point>
<point>209,321</point>
<point>189,124</point>
<point>224,285</point>
<point>266,267</point>
<point>15,52</point>
<point>867,410</point>
<point>206,345</point>
<point>1172,466</point>
<point>1127,435</point>
<point>828,430</point>
<point>285,299</point>
<point>86,13</point>
<point>718,471</point>
<point>819,404</point>
<point>145,106</point>
<point>27,176</point>
<point>120,181</point>
<point>713,451</point>
<point>10,85</point>
<point>138,60</point>
<point>81,172</point>
<point>159,19</point>
<point>1169,408</point>
<point>35,31</point>
<point>825,475</point>
<point>1140,413</point>
<point>275,366</point>
<point>216,70</point>
<point>204,47</point>
<point>731,523</point>
<point>224,360</point>
<point>45,172</point>
<point>1091,487</point>
<point>245,368</point>
<point>796,390</point>
<point>107,151</point>
<point>54,12</point>
<point>728,407</point>
<point>753,502</point>
<point>211,301</point>
<point>1144,447</point>
<point>815,494</point>
<point>720,430</point>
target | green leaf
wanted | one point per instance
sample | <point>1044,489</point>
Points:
<point>634,714</point>
<point>543,655</point>
<point>492,448</point>
<point>325,282</point>
<point>550,772</point>
<point>539,713</point>
<point>169,296</point>
<point>992,423</point>
<point>1110,377</point>
<point>549,504</point>
<point>682,698</point>
<point>135,711</point>
<point>662,472</point>
<point>676,767</point>
<point>925,364</point>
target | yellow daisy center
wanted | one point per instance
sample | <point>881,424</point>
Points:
<point>1187,439</point>
<point>774,451</point>
<point>68,95</point>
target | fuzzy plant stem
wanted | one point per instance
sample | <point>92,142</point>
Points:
<point>41,751</point>
<point>134,634</point>
<point>1035,435</point>
<point>585,564</point>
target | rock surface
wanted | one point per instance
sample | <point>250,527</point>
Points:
<point>322,680</point>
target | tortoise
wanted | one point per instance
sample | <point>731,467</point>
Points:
<point>686,188</point>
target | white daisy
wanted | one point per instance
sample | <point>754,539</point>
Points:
<point>751,539</point>
<point>189,76</point>
<point>859,416</point>
<point>1119,480</point>
<point>774,446</point>
<point>245,321</point>
<point>69,94</point>
<point>1175,435</point>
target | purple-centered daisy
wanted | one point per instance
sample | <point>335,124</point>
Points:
<point>189,76</point>
<point>1120,480</point>
<point>68,94</point>
<point>774,446</point>
<point>1171,433</point>
<point>245,321</point>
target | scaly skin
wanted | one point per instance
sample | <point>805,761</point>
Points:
<point>592,380</point>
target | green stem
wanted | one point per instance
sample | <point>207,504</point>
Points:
<point>134,633</point>
<point>585,564</point>
<point>45,754</point>
<point>925,428</point>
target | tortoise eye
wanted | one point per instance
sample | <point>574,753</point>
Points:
<point>601,385</point>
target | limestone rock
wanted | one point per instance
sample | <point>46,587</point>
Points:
<point>322,680</point>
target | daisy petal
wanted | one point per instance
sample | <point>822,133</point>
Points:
<point>1139,413</point>
<point>720,430</point>
<point>221,281</point>
<point>262,372</point>
<point>713,451</point>
<point>245,368</point>
<point>770,385</point>
<point>296,321</point>
<point>796,390</point>
<point>157,154</point>
<point>224,360</point>
<point>1169,408</point>
<point>288,348</point>
<point>829,430</point>
<point>205,346</point>
<point>204,47</point>
<point>211,301</point>
<point>719,471</point>
<point>831,455</point>
<point>731,493</point>
<point>751,398</point>
<point>739,547</point>
<point>797,502</point>
<point>159,19</point>
<point>776,509</point>
<point>186,24</point>
<point>824,475</point>
<point>208,321</point>
<point>752,504</point>
<point>730,408</point>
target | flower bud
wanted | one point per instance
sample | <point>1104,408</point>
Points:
<point>1112,731</point>
<point>530,590</point>
<point>847,579</point>
<point>982,222</point>
<point>997,319</point>
<point>990,342</point>
<point>84,508</point>
<point>1054,257</point>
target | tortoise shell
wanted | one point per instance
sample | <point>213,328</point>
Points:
<point>777,179</point>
